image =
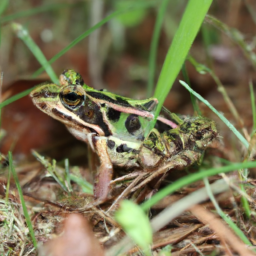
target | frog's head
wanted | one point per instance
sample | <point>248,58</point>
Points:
<point>70,105</point>
<point>202,131</point>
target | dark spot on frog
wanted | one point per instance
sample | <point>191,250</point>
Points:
<point>56,112</point>
<point>113,114</point>
<point>111,144</point>
<point>102,96</point>
<point>149,105</point>
<point>199,135</point>
<point>161,127</point>
<point>132,124</point>
<point>185,126</point>
<point>79,81</point>
<point>122,101</point>
<point>44,94</point>
<point>177,141</point>
<point>42,105</point>
<point>91,113</point>
<point>190,144</point>
<point>141,137</point>
<point>135,151</point>
<point>123,148</point>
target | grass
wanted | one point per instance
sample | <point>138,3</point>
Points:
<point>117,13</point>
<point>179,49</point>
<point>23,34</point>
<point>226,218</point>
<point>224,119</point>
<point>174,62</point>
<point>191,179</point>
<point>253,107</point>
<point>24,207</point>
<point>30,12</point>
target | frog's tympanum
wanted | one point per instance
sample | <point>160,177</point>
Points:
<point>115,126</point>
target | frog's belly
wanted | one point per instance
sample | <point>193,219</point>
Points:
<point>123,153</point>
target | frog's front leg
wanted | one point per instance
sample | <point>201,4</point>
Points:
<point>105,172</point>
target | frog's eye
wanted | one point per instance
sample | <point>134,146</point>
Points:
<point>132,123</point>
<point>72,98</point>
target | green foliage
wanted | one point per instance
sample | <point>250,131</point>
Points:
<point>93,28</point>
<point>25,210</point>
<point>23,34</point>
<point>136,224</point>
<point>192,178</point>
<point>182,41</point>
<point>85,185</point>
<point>21,14</point>
<point>253,107</point>
<point>224,119</point>
<point>132,18</point>
<point>226,218</point>
<point>56,172</point>
<point>3,6</point>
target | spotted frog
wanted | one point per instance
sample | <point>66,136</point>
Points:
<point>115,127</point>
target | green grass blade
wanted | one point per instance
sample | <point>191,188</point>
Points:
<point>192,178</point>
<point>1,86</point>
<point>253,106</point>
<point>54,171</point>
<point>25,37</point>
<point>177,53</point>
<point>227,219</point>
<point>245,202</point>
<point>16,97</point>
<point>25,211</point>
<point>138,228</point>
<point>26,13</point>
<point>85,185</point>
<point>224,119</point>
<point>8,183</point>
<point>3,6</point>
<point>154,45</point>
<point>251,9</point>
<point>93,28</point>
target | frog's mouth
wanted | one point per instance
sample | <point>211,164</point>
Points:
<point>47,99</point>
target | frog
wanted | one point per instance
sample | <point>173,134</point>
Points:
<point>116,128</point>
